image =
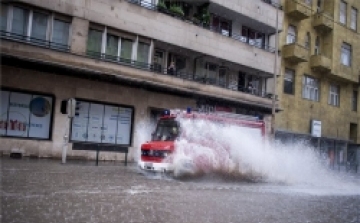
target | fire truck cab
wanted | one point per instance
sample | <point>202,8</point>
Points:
<point>156,155</point>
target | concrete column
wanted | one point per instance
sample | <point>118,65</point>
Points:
<point>151,52</point>
<point>135,48</point>
<point>79,34</point>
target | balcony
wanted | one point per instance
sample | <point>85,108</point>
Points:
<point>297,10</point>
<point>323,22</point>
<point>320,63</point>
<point>295,53</point>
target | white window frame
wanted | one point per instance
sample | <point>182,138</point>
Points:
<point>353,18</point>
<point>311,88</point>
<point>334,95</point>
<point>346,54</point>
<point>343,12</point>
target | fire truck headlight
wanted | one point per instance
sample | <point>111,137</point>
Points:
<point>165,154</point>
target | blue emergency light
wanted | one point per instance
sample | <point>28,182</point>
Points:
<point>166,112</point>
<point>188,110</point>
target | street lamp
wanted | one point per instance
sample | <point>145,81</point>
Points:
<point>275,73</point>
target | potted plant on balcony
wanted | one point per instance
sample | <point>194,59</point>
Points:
<point>177,10</point>
<point>161,6</point>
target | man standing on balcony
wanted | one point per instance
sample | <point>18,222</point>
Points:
<point>172,68</point>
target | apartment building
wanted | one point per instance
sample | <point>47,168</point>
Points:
<point>319,82</point>
<point>124,62</point>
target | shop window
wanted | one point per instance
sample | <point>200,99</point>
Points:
<point>102,123</point>
<point>4,15</point>
<point>25,115</point>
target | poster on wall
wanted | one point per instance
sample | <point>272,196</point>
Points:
<point>99,123</point>
<point>25,115</point>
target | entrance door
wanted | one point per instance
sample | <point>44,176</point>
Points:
<point>353,157</point>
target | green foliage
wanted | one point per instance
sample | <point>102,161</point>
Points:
<point>177,10</point>
<point>161,5</point>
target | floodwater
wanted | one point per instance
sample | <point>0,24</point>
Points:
<point>260,183</point>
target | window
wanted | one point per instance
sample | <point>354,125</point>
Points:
<point>39,27</point>
<point>310,88</point>
<point>346,54</point>
<point>143,53</point>
<point>354,100</point>
<point>116,119</point>
<point>334,95</point>
<point>289,81</point>
<point>36,27</point>
<point>94,42</point>
<point>26,115</point>
<point>317,46</point>
<point>353,21</point>
<point>253,37</point>
<point>126,49</point>
<point>20,21</point>
<point>307,40</point>
<point>291,35</point>
<point>4,14</point>
<point>112,43</point>
<point>60,34</point>
<point>221,25</point>
<point>319,6</point>
<point>343,15</point>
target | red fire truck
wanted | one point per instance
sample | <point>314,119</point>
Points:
<point>158,154</point>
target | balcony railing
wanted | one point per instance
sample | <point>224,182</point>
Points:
<point>274,3</point>
<point>34,41</point>
<point>156,68</point>
<point>196,22</point>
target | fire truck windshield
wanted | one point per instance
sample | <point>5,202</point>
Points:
<point>166,130</point>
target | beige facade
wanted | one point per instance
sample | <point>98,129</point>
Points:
<point>321,42</point>
<point>118,52</point>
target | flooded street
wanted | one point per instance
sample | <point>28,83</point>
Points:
<point>47,191</point>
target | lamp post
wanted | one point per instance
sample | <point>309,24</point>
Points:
<point>273,106</point>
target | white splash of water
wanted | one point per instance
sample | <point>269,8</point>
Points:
<point>242,152</point>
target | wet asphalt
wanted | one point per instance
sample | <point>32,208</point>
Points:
<point>43,191</point>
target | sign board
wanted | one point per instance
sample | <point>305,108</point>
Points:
<point>25,115</point>
<point>101,123</point>
<point>316,128</point>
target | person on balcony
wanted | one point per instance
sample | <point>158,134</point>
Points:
<point>250,88</point>
<point>172,68</point>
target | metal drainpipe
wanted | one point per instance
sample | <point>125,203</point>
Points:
<point>275,75</point>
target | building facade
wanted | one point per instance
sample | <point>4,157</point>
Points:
<point>124,62</point>
<point>319,81</point>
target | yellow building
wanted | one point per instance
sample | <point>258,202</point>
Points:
<point>319,80</point>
